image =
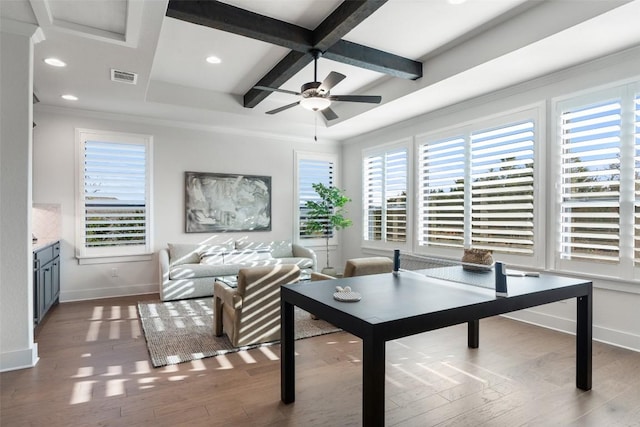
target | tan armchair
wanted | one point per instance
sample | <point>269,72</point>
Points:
<point>250,313</point>
<point>361,267</point>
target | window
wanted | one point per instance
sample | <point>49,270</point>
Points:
<point>590,187</point>
<point>442,170</point>
<point>312,169</point>
<point>385,196</point>
<point>636,206</point>
<point>502,188</point>
<point>476,187</point>
<point>599,182</point>
<point>114,207</point>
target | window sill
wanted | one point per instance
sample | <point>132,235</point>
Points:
<point>86,260</point>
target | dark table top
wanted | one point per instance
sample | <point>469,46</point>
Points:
<point>387,298</point>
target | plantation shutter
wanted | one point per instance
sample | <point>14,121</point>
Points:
<point>636,246</point>
<point>442,170</point>
<point>396,195</point>
<point>115,194</point>
<point>502,188</point>
<point>373,197</point>
<point>590,174</point>
<point>385,196</point>
<point>310,172</point>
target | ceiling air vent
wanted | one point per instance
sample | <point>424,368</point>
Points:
<point>124,76</point>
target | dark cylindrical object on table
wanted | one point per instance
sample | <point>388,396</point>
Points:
<point>501,280</point>
<point>396,261</point>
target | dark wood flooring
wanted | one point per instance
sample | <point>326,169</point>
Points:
<point>94,370</point>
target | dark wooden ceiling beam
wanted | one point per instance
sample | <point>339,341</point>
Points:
<point>374,59</point>
<point>277,76</point>
<point>326,38</point>
<point>225,17</point>
<point>343,19</point>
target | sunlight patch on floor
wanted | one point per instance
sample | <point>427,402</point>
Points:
<point>115,387</point>
<point>224,362</point>
<point>115,312</point>
<point>409,374</point>
<point>197,365</point>
<point>82,391</point>
<point>268,353</point>
<point>114,329</point>
<point>97,313</point>
<point>133,312</point>
<point>94,330</point>
<point>83,372</point>
<point>447,364</point>
<point>246,357</point>
<point>142,367</point>
<point>433,371</point>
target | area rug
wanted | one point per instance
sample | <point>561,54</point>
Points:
<point>180,331</point>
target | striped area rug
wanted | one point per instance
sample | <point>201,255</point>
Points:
<point>180,331</point>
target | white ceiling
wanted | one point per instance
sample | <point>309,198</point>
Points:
<point>467,50</point>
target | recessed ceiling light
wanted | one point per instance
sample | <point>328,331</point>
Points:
<point>456,1</point>
<point>69,97</point>
<point>55,62</point>
<point>213,60</point>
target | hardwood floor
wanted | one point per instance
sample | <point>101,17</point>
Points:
<point>94,370</point>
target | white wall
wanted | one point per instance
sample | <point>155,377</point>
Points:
<point>16,269</point>
<point>616,314</point>
<point>175,151</point>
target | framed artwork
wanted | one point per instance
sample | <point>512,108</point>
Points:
<point>216,202</point>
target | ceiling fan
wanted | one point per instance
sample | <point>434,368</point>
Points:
<point>315,95</point>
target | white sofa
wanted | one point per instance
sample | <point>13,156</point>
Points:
<point>189,270</point>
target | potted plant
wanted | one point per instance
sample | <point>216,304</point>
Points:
<point>327,215</point>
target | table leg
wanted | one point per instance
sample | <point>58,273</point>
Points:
<point>287,356</point>
<point>584,332</point>
<point>373,371</point>
<point>473,333</point>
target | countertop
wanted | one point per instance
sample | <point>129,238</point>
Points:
<point>43,243</point>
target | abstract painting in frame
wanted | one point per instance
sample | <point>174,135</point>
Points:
<point>217,202</point>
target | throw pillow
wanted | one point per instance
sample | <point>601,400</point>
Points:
<point>189,253</point>
<point>242,256</point>
<point>281,249</point>
<point>212,258</point>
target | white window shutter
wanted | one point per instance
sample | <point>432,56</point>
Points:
<point>502,193</point>
<point>115,194</point>
<point>441,186</point>
<point>312,171</point>
<point>636,133</point>
<point>590,187</point>
<point>385,196</point>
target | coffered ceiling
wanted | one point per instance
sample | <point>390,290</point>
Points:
<point>465,49</point>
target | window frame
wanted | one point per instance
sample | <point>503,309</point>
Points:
<point>118,253</point>
<point>381,150</point>
<point>625,268</point>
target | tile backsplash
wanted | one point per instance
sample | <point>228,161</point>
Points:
<point>46,221</point>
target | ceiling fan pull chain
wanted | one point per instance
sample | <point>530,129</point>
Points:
<point>315,122</point>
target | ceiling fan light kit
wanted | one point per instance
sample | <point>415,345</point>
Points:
<point>314,96</point>
<point>315,103</point>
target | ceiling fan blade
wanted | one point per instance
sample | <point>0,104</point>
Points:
<point>329,114</point>
<point>286,107</point>
<point>330,81</point>
<point>273,89</point>
<point>370,99</point>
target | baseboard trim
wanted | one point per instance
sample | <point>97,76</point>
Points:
<point>111,292</point>
<point>19,359</point>
<point>601,334</point>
